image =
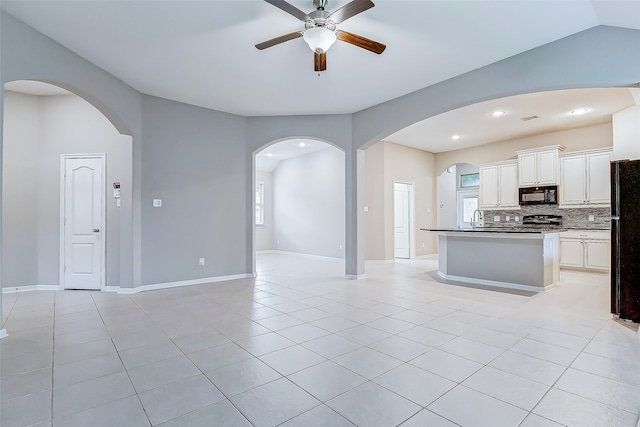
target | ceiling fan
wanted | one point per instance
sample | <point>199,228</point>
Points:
<point>321,29</point>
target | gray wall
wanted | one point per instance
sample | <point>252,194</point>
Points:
<point>193,159</point>
<point>20,190</point>
<point>37,132</point>
<point>308,204</point>
<point>598,57</point>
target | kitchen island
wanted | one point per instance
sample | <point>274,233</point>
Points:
<point>518,258</point>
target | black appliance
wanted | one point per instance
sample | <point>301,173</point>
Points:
<point>547,195</point>
<point>542,220</point>
<point>625,239</point>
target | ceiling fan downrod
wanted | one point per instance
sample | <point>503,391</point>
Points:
<point>320,4</point>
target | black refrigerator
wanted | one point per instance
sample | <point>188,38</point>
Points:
<point>625,239</point>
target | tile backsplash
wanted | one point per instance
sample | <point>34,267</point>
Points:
<point>571,217</point>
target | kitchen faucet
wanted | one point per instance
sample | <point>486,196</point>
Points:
<point>480,221</point>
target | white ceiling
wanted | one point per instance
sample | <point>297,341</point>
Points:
<point>202,53</point>
<point>474,124</point>
<point>268,159</point>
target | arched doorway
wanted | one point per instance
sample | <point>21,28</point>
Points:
<point>299,201</point>
<point>44,123</point>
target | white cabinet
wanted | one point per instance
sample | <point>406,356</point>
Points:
<point>538,166</point>
<point>589,250</point>
<point>498,185</point>
<point>585,177</point>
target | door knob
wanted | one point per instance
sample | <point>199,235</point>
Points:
<point>96,230</point>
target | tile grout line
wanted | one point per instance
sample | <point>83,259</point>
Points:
<point>120,358</point>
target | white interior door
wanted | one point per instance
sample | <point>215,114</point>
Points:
<point>402,220</point>
<point>83,245</point>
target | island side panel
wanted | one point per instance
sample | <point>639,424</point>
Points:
<point>498,258</point>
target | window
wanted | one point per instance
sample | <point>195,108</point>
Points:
<point>259,203</point>
<point>469,180</point>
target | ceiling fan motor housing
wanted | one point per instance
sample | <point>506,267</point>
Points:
<point>319,18</point>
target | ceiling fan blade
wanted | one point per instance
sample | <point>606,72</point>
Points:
<point>289,8</point>
<point>279,40</point>
<point>360,41</point>
<point>320,61</point>
<point>350,9</point>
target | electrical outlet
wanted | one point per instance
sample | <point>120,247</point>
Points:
<point>201,262</point>
<point>340,247</point>
<point>516,218</point>
<point>496,218</point>
<point>423,245</point>
<point>157,203</point>
<point>592,218</point>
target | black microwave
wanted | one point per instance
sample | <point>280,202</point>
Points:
<point>547,195</point>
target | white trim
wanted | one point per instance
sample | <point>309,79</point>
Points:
<point>111,288</point>
<point>267,251</point>
<point>427,256</point>
<point>380,261</point>
<point>327,258</point>
<point>485,282</point>
<point>103,222</point>
<point>355,276</point>
<point>3,333</point>
<point>167,285</point>
<point>30,288</point>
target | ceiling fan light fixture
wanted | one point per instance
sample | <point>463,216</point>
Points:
<point>319,39</point>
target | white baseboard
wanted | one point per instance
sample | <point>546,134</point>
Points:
<point>508,285</point>
<point>355,276</point>
<point>379,261</point>
<point>326,258</point>
<point>30,288</point>
<point>157,286</point>
<point>111,288</point>
<point>3,333</point>
<point>429,256</point>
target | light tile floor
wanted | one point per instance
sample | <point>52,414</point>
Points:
<point>300,346</point>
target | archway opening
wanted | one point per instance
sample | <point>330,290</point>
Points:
<point>299,206</point>
<point>43,124</point>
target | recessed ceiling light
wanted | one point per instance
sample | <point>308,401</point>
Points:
<point>497,113</point>
<point>302,144</point>
<point>269,154</point>
<point>579,111</point>
<point>454,137</point>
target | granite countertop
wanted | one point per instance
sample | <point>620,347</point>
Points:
<point>521,230</point>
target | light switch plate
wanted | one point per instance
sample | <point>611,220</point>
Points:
<point>157,203</point>
<point>592,218</point>
<point>507,218</point>
<point>496,218</point>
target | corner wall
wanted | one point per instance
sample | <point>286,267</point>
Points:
<point>402,164</point>
<point>194,160</point>
<point>309,204</point>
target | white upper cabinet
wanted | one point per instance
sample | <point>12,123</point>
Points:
<point>498,185</point>
<point>538,166</point>
<point>585,178</point>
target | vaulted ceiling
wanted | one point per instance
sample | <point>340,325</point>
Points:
<point>203,52</point>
